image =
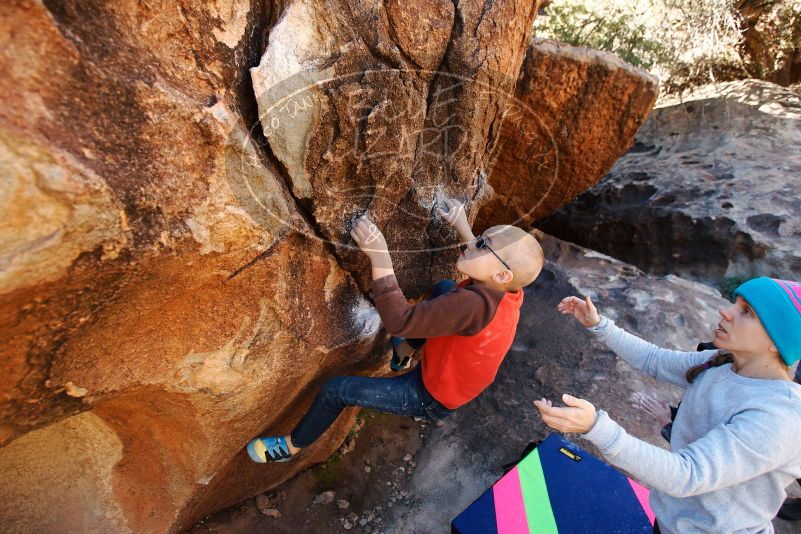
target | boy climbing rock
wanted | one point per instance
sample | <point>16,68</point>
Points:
<point>463,330</point>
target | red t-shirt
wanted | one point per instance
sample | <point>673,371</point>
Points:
<point>468,330</point>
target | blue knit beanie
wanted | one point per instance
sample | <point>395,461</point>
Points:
<point>778,305</point>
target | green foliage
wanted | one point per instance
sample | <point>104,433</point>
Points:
<point>327,472</point>
<point>614,29</point>
<point>365,414</point>
<point>686,42</point>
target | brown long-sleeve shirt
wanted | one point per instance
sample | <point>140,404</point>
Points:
<point>468,332</point>
<point>464,311</point>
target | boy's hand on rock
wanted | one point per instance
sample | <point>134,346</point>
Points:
<point>454,212</point>
<point>583,310</point>
<point>578,416</point>
<point>370,239</point>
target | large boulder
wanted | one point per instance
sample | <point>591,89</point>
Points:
<point>575,112</point>
<point>709,190</point>
<point>173,277</point>
<point>150,313</point>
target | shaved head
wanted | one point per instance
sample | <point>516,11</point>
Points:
<point>520,250</point>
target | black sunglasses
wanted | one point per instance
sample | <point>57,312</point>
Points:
<point>482,243</point>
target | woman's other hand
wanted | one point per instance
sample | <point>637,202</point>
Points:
<point>578,416</point>
<point>583,310</point>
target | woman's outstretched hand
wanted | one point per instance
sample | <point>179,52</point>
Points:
<point>656,408</point>
<point>583,310</point>
<point>578,416</point>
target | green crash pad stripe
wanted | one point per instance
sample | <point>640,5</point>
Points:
<point>535,496</point>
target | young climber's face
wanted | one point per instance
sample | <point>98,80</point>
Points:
<point>479,263</point>
<point>740,331</point>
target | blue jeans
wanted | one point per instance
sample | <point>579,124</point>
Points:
<point>400,395</point>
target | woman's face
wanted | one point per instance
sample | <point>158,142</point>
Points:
<point>740,331</point>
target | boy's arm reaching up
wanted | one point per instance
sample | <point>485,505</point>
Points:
<point>456,215</point>
<point>371,241</point>
<point>462,311</point>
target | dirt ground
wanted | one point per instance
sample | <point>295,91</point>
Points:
<point>407,476</point>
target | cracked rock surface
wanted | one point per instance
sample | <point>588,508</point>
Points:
<point>365,110</point>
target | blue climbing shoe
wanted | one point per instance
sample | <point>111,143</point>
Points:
<point>397,363</point>
<point>263,450</point>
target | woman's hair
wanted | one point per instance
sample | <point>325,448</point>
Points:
<point>721,358</point>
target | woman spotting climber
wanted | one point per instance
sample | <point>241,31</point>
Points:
<point>735,444</point>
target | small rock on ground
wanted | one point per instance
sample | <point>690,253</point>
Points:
<point>325,497</point>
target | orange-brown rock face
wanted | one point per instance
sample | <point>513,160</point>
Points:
<point>390,109</point>
<point>175,275</point>
<point>576,111</point>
